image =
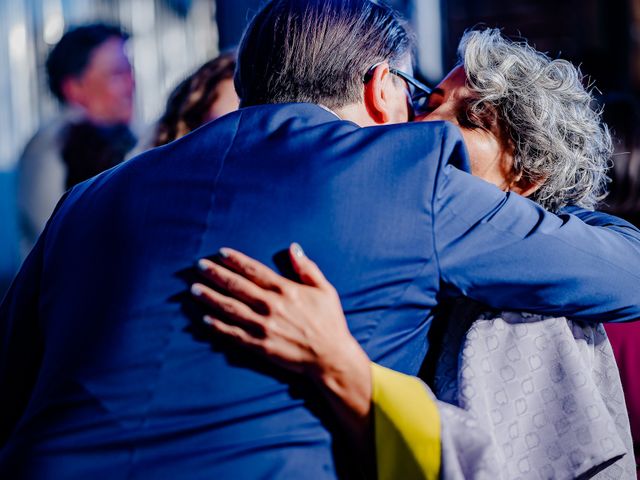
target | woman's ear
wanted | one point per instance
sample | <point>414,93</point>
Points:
<point>525,186</point>
<point>376,98</point>
<point>517,182</point>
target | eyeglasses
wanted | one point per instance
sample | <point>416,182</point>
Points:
<point>418,91</point>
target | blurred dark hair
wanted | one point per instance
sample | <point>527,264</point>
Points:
<point>317,51</point>
<point>189,104</point>
<point>71,55</point>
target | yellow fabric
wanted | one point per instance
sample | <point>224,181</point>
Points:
<point>407,427</point>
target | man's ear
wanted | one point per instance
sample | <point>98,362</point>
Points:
<point>376,97</point>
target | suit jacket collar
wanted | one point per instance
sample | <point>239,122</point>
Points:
<point>309,113</point>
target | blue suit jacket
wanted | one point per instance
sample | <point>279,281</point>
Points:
<point>105,373</point>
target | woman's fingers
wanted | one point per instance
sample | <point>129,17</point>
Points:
<point>281,353</point>
<point>302,326</point>
<point>236,285</point>
<point>252,269</point>
<point>234,332</point>
<point>229,307</point>
<point>306,269</point>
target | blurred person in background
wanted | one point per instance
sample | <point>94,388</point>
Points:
<point>90,74</point>
<point>205,95</point>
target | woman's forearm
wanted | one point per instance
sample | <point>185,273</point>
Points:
<point>345,380</point>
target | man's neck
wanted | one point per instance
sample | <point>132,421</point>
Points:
<point>356,113</point>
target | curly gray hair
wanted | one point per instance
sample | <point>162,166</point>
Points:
<point>542,106</point>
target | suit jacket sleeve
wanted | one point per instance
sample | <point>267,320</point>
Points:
<point>508,252</point>
<point>20,342</point>
<point>21,338</point>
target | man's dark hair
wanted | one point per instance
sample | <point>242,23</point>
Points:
<point>317,51</point>
<point>71,55</point>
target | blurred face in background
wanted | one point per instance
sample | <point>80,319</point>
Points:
<point>106,87</point>
<point>227,100</point>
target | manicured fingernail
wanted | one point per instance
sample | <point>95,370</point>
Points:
<point>297,250</point>
<point>208,320</point>
<point>224,252</point>
<point>196,290</point>
<point>203,264</point>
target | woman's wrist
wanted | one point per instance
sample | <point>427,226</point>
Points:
<point>346,382</point>
<point>345,377</point>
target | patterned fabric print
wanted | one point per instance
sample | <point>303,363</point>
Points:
<point>546,389</point>
<point>467,449</point>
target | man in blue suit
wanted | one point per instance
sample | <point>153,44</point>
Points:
<point>104,373</point>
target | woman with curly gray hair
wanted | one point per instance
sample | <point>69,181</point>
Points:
<point>531,127</point>
<point>520,396</point>
<point>528,122</point>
